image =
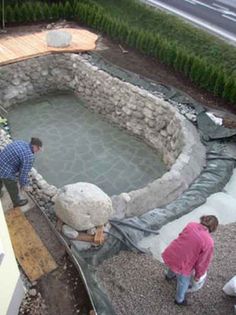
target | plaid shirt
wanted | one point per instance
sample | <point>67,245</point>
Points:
<point>16,157</point>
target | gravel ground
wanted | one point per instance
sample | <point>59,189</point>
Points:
<point>136,285</point>
<point>33,304</point>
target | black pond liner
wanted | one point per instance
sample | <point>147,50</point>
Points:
<point>126,233</point>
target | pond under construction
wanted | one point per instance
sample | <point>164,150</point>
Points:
<point>80,146</point>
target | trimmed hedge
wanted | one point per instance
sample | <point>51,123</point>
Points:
<point>126,21</point>
<point>39,11</point>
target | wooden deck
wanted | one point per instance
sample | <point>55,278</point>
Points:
<point>30,252</point>
<point>20,47</point>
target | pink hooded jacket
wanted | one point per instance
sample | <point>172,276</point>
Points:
<point>192,250</point>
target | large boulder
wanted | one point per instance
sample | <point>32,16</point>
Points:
<point>83,206</point>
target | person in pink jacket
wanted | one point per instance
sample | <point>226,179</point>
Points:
<point>191,253</point>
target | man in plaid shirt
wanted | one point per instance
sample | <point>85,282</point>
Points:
<point>17,159</point>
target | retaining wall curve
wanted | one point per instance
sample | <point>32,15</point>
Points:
<point>129,106</point>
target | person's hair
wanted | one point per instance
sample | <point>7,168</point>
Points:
<point>209,221</point>
<point>36,141</point>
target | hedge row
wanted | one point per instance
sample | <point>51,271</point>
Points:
<point>32,12</point>
<point>173,29</point>
<point>199,70</point>
<point>209,77</point>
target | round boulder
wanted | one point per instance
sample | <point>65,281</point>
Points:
<point>58,39</point>
<point>83,206</point>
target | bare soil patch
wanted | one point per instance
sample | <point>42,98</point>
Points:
<point>61,291</point>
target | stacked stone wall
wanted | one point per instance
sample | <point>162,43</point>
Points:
<point>131,107</point>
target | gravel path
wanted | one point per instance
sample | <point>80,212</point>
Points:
<point>136,285</point>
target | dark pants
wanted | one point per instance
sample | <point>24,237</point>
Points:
<point>12,188</point>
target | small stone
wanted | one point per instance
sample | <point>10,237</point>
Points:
<point>92,231</point>
<point>81,245</point>
<point>69,232</point>
<point>32,292</point>
<point>41,203</point>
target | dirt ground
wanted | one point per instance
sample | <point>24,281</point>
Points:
<point>61,291</point>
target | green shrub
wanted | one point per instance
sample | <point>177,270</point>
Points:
<point>97,19</point>
<point>9,14</point>
<point>82,11</point>
<point>180,60</point>
<point>132,36</point>
<point>171,54</point>
<point>68,11</point>
<point>18,13</point>
<point>229,92</point>
<point>195,73</point>
<point>25,14</point>
<point>55,11</point>
<point>213,73</point>
<point>31,11</point>
<point>61,10</point>
<point>46,12</point>
<point>38,12</point>
<point>151,45</point>
<point>187,64</point>
<point>219,84</point>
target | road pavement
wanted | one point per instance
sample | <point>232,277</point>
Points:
<point>217,16</point>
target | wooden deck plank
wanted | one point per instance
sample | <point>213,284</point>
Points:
<point>5,53</point>
<point>26,44</point>
<point>17,47</point>
<point>31,42</point>
<point>30,252</point>
<point>20,47</point>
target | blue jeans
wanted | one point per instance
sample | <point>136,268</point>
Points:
<point>182,284</point>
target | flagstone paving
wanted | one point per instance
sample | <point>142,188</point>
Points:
<point>80,146</point>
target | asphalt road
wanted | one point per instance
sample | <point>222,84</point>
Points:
<point>218,16</point>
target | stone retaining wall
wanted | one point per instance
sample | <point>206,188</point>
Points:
<point>135,109</point>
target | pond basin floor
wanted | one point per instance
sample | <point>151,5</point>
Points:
<point>81,146</point>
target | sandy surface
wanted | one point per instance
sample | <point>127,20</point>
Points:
<point>136,285</point>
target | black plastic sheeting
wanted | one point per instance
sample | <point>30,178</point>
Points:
<point>126,233</point>
<point>210,131</point>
